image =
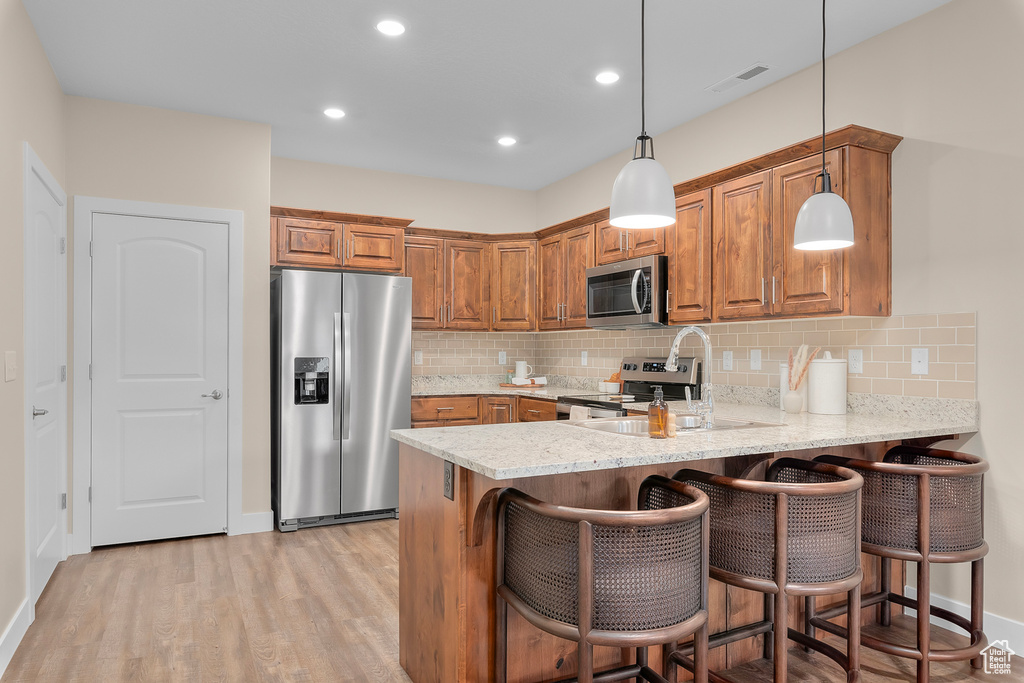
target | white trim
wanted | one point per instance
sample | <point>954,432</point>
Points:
<point>15,631</point>
<point>254,523</point>
<point>85,207</point>
<point>33,165</point>
<point>995,626</point>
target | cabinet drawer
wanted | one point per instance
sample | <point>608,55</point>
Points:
<point>445,408</point>
<point>535,409</point>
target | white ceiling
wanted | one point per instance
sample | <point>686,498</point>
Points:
<point>433,101</point>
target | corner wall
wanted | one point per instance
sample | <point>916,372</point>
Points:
<point>31,110</point>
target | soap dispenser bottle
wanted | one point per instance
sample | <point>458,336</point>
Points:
<point>657,416</point>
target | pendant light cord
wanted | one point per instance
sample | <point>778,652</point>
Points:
<point>823,86</point>
<point>643,71</point>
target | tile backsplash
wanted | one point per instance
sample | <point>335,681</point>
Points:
<point>886,344</point>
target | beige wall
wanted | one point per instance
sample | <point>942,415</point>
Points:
<point>431,202</point>
<point>940,81</point>
<point>32,110</point>
<point>122,151</point>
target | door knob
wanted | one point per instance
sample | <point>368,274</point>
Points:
<point>36,412</point>
<point>215,395</point>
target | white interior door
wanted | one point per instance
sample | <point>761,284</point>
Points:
<point>160,373</point>
<point>45,372</point>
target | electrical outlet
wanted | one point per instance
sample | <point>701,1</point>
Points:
<point>502,358</point>
<point>918,361</point>
<point>855,361</point>
<point>10,366</point>
<point>417,357</point>
<point>583,357</point>
<point>449,480</point>
<point>727,360</point>
<point>755,359</point>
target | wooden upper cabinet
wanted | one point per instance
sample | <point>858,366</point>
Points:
<point>308,243</point>
<point>742,247</point>
<point>514,285</point>
<point>616,244</point>
<point>579,255</point>
<point>688,248</point>
<point>424,263</point>
<point>373,247</point>
<point>803,282</point>
<point>551,280</point>
<point>467,285</point>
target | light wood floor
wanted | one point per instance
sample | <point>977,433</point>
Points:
<point>314,605</point>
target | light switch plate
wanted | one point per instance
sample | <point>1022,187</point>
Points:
<point>417,357</point>
<point>583,357</point>
<point>855,361</point>
<point>727,360</point>
<point>10,366</point>
<point>918,361</point>
<point>502,358</point>
<point>755,359</point>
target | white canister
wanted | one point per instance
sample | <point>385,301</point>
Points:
<point>784,387</point>
<point>826,386</point>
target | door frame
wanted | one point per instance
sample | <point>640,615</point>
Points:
<point>33,165</point>
<point>85,208</point>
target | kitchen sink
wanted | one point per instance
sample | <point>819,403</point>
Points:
<point>637,425</point>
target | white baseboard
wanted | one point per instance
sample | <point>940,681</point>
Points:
<point>11,638</point>
<point>996,627</point>
<point>254,523</point>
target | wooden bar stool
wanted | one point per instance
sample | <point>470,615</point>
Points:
<point>621,579</point>
<point>794,534</point>
<point>923,505</point>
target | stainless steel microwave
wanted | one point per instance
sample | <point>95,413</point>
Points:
<point>627,294</point>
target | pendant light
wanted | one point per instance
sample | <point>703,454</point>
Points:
<point>824,221</point>
<point>643,196</point>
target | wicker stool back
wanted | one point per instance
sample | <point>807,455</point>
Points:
<point>616,578</point>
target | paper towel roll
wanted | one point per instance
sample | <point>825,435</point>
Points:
<point>826,386</point>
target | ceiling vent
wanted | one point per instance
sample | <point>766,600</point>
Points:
<point>736,79</point>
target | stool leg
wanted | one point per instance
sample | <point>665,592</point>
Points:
<point>700,655</point>
<point>885,608</point>
<point>669,668</point>
<point>977,603</point>
<point>585,655</point>
<point>924,636</point>
<point>500,640</point>
<point>781,639</point>
<point>853,634</point>
<point>769,616</point>
<point>809,609</point>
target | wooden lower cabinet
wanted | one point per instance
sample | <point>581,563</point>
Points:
<point>536,409</point>
<point>448,410</point>
<point>496,410</point>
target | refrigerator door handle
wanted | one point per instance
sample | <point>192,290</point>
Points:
<point>347,351</point>
<point>337,376</point>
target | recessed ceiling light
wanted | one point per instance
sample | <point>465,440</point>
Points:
<point>606,77</point>
<point>333,113</point>
<point>390,28</point>
<point>506,141</point>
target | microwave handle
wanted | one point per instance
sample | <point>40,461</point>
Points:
<point>636,302</point>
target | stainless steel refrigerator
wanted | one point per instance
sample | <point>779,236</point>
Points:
<point>340,381</point>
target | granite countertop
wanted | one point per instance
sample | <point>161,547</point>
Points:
<point>550,392</point>
<point>509,451</point>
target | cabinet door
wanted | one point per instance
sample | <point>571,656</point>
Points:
<point>742,250</point>
<point>612,243</point>
<point>496,410</point>
<point>514,285</point>
<point>646,242</point>
<point>689,259</point>
<point>424,263</point>
<point>373,247</point>
<point>551,277</point>
<point>467,285</point>
<point>804,282</point>
<point>579,255</point>
<point>308,243</point>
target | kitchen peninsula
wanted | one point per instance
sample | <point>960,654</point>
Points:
<point>446,543</point>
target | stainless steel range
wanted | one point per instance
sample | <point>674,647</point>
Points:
<point>639,376</point>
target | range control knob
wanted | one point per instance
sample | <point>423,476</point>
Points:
<point>633,366</point>
<point>683,368</point>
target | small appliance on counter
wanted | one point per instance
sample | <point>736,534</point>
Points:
<point>639,377</point>
<point>628,294</point>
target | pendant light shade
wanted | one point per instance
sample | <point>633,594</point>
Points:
<point>643,196</point>
<point>824,221</point>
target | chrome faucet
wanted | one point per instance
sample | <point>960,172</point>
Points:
<point>706,407</point>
